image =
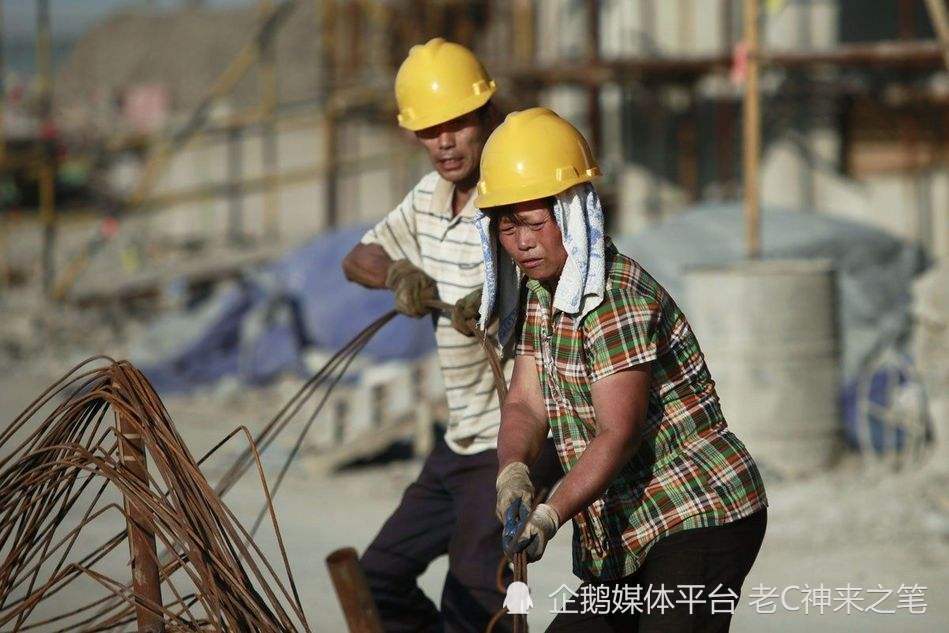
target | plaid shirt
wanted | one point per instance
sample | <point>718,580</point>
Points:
<point>690,470</point>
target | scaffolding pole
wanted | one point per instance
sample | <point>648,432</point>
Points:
<point>593,91</point>
<point>523,28</point>
<point>922,54</point>
<point>330,127</point>
<point>940,20</point>
<point>235,186</point>
<point>268,108</point>
<point>752,133</point>
<point>3,96</point>
<point>4,266</point>
<point>47,172</point>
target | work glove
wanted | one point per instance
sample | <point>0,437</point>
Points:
<point>513,483</point>
<point>412,288</point>
<point>466,309</point>
<point>536,530</point>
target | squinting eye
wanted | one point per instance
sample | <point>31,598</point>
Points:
<point>537,227</point>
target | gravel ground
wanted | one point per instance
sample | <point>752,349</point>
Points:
<point>865,524</point>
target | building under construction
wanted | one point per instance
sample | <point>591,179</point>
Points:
<point>276,119</point>
<point>175,150</point>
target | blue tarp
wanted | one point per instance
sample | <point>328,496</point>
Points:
<point>260,326</point>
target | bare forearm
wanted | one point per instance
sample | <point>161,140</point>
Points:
<point>521,436</point>
<point>602,460</point>
<point>367,265</point>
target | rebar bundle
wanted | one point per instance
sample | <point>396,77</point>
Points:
<point>90,458</point>
<point>60,475</point>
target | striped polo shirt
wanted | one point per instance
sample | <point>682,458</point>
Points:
<point>422,230</point>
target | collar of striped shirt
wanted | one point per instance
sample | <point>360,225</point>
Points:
<point>441,203</point>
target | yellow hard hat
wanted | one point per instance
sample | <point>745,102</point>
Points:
<point>438,82</point>
<point>533,154</point>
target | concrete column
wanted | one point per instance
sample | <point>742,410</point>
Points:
<point>775,359</point>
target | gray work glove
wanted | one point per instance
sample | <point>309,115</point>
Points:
<point>412,288</point>
<point>513,483</point>
<point>466,309</point>
<point>541,526</point>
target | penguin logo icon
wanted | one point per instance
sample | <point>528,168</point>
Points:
<point>518,600</point>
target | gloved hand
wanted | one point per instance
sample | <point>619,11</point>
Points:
<point>538,529</point>
<point>411,286</point>
<point>466,308</point>
<point>515,515</point>
<point>513,483</point>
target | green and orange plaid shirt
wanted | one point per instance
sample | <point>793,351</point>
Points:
<point>690,470</point>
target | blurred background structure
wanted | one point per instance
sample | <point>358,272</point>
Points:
<point>243,121</point>
<point>179,179</point>
<point>162,142</point>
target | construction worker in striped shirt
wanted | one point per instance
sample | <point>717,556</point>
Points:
<point>428,247</point>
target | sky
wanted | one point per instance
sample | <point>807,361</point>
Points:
<point>69,18</point>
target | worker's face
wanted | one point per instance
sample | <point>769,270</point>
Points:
<point>455,147</point>
<point>530,235</point>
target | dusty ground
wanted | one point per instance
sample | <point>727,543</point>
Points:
<point>860,524</point>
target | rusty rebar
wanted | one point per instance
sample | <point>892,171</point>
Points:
<point>62,473</point>
<point>141,531</point>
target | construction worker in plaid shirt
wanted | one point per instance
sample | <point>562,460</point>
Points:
<point>660,492</point>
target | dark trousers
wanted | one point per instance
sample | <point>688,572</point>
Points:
<point>713,556</point>
<point>448,509</point>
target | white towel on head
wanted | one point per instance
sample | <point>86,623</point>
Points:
<point>582,283</point>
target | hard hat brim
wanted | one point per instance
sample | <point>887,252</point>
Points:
<point>451,111</point>
<point>530,191</point>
